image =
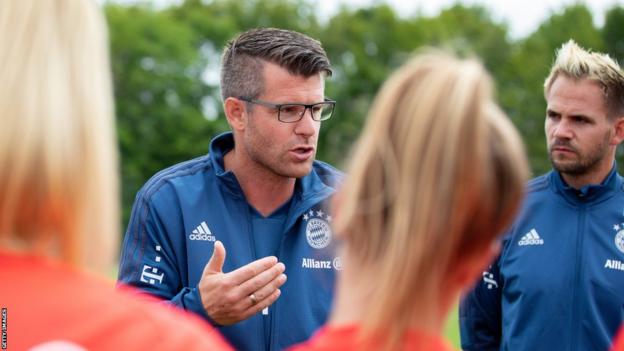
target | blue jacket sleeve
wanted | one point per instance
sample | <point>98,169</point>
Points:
<point>150,255</point>
<point>480,312</point>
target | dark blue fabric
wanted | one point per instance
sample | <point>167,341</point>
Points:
<point>267,237</point>
<point>267,231</point>
<point>565,292</point>
<point>162,254</point>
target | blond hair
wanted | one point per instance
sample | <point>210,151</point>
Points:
<point>437,173</point>
<point>58,164</point>
<point>574,62</point>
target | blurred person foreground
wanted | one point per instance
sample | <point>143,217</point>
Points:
<point>618,345</point>
<point>437,173</point>
<point>59,192</point>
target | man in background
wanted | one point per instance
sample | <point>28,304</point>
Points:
<point>558,282</point>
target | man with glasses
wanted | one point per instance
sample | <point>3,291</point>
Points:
<point>259,193</point>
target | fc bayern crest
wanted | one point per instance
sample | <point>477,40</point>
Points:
<point>318,230</point>
<point>619,240</point>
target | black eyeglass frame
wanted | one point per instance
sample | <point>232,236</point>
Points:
<point>278,107</point>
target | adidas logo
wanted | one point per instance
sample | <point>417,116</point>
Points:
<point>202,232</point>
<point>531,238</point>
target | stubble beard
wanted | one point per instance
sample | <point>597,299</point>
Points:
<point>277,165</point>
<point>263,153</point>
<point>585,163</point>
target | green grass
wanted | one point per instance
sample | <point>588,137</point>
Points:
<point>451,329</point>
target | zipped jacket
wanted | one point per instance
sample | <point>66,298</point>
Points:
<point>180,213</point>
<point>558,283</point>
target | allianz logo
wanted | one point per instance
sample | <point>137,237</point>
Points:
<point>311,263</point>
<point>614,264</point>
<point>202,233</point>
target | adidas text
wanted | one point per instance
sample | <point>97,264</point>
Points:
<point>614,264</point>
<point>202,232</point>
<point>531,242</point>
<point>203,237</point>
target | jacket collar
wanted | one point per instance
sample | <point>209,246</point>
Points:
<point>219,146</point>
<point>309,189</point>
<point>591,192</point>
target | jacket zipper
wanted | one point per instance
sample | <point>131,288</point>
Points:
<point>575,320</point>
<point>252,247</point>
<point>273,310</point>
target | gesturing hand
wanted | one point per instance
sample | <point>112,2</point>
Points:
<point>232,297</point>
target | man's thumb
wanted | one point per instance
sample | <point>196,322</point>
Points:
<point>215,265</point>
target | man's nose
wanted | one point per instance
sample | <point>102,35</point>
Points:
<point>563,130</point>
<point>306,126</point>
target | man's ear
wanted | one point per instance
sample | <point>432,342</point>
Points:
<point>235,112</point>
<point>618,127</point>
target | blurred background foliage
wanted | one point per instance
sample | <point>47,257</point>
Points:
<point>166,68</point>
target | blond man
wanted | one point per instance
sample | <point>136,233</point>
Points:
<point>558,282</point>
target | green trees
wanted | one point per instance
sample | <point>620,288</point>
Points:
<point>613,32</point>
<point>166,62</point>
<point>158,93</point>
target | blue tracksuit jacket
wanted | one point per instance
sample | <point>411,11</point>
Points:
<point>558,283</point>
<point>182,210</point>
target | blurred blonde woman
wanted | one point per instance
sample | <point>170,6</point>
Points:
<point>437,173</point>
<point>59,191</point>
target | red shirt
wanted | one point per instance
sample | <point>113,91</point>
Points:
<point>343,338</point>
<point>618,344</point>
<point>45,302</point>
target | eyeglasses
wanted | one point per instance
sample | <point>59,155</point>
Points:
<point>292,112</point>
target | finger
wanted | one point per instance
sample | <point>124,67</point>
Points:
<point>252,269</point>
<point>215,264</point>
<point>262,279</point>
<point>267,290</point>
<point>262,304</point>
<point>245,301</point>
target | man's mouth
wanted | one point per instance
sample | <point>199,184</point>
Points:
<point>563,149</point>
<point>302,153</point>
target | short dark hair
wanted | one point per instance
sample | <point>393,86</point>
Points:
<point>243,57</point>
